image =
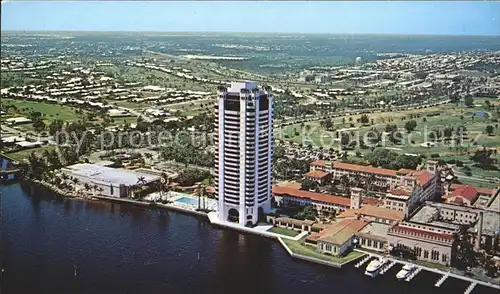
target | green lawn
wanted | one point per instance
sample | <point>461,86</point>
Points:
<point>23,154</point>
<point>49,111</point>
<point>283,231</point>
<point>298,247</point>
<point>450,117</point>
<point>129,104</point>
<point>478,183</point>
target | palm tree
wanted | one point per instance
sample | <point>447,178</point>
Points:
<point>199,193</point>
<point>64,176</point>
<point>87,188</point>
<point>141,181</point>
<point>345,182</point>
<point>370,180</point>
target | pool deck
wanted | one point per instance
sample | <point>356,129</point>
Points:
<point>176,206</point>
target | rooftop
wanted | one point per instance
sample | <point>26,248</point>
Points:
<point>468,192</point>
<point>320,163</point>
<point>237,86</point>
<point>312,195</point>
<point>418,233</point>
<point>340,232</point>
<point>494,205</point>
<point>480,190</point>
<point>316,174</point>
<point>399,192</point>
<point>289,184</point>
<point>369,169</point>
<point>98,173</point>
<point>491,223</point>
<point>430,215</point>
<point>374,228</point>
<point>381,212</point>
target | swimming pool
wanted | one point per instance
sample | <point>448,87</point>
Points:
<point>188,201</point>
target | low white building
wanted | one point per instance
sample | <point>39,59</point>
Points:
<point>109,181</point>
<point>18,120</point>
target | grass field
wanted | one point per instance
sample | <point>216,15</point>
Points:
<point>130,104</point>
<point>435,117</point>
<point>447,115</point>
<point>23,154</point>
<point>298,247</point>
<point>283,231</point>
<point>49,111</point>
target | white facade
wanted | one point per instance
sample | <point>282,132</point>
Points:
<point>244,149</point>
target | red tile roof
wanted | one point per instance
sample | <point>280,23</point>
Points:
<point>468,192</point>
<point>370,201</point>
<point>373,211</point>
<point>424,176</point>
<point>339,232</point>
<point>312,195</point>
<point>417,232</point>
<point>480,190</point>
<point>316,174</point>
<point>381,212</point>
<point>319,163</point>
<point>399,192</point>
<point>365,169</point>
<point>404,171</point>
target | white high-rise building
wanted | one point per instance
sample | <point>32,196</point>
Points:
<point>244,151</point>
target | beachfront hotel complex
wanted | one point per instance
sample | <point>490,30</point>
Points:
<point>244,149</point>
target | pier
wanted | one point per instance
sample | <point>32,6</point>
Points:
<point>363,261</point>
<point>470,288</point>
<point>414,274</point>
<point>388,267</point>
<point>441,280</point>
<point>440,272</point>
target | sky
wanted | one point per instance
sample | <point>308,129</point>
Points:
<point>365,17</point>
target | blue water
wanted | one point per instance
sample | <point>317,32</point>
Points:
<point>187,200</point>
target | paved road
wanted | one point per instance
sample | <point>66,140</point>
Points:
<point>484,179</point>
<point>29,135</point>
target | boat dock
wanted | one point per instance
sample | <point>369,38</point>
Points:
<point>444,275</point>
<point>413,274</point>
<point>441,280</point>
<point>470,288</point>
<point>388,267</point>
<point>363,261</point>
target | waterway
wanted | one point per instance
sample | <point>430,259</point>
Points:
<point>52,244</point>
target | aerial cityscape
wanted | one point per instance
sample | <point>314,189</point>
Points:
<point>167,158</point>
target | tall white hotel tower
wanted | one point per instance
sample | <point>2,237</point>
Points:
<point>244,151</point>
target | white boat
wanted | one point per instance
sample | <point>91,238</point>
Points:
<point>405,271</point>
<point>374,266</point>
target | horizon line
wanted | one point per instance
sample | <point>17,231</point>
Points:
<point>262,33</point>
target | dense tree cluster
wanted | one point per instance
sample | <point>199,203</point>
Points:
<point>190,176</point>
<point>385,158</point>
